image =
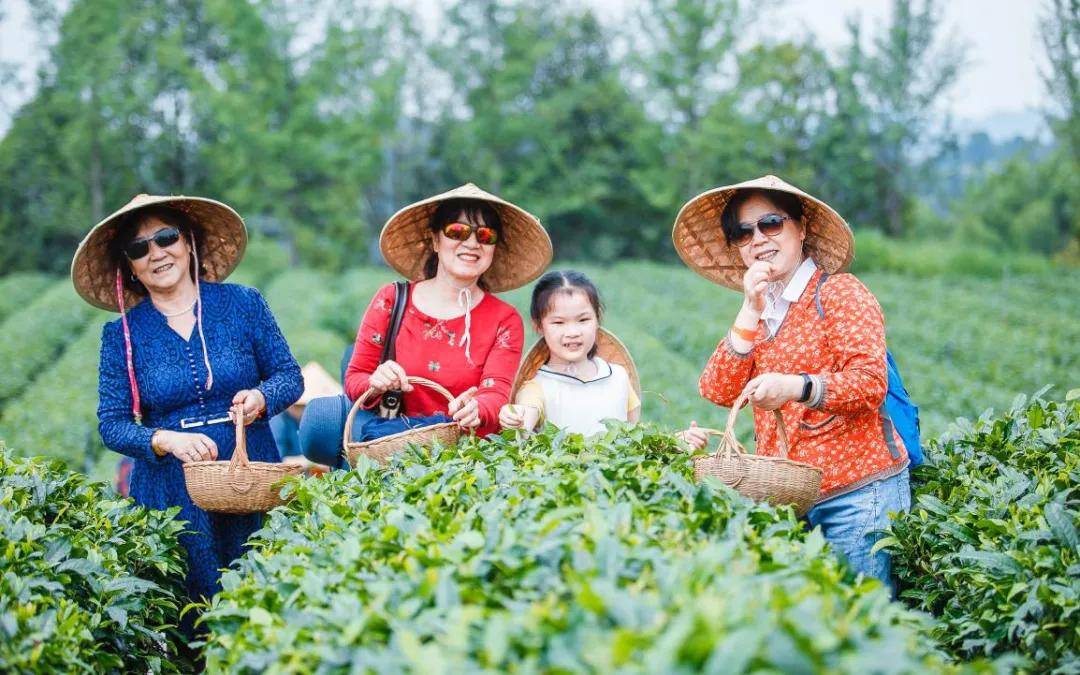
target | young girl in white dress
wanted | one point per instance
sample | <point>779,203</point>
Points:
<point>576,389</point>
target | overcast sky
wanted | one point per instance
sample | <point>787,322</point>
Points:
<point>999,88</point>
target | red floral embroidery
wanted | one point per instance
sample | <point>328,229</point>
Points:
<point>502,338</point>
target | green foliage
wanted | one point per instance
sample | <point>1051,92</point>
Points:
<point>991,545</point>
<point>547,554</point>
<point>57,414</point>
<point>319,120</point>
<point>1025,205</point>
<point>89,583</point>
<point>33,336</point>
<point>263,260</point>
<point>943,254</point>
<point>299,298</point>
<point>20,289</point>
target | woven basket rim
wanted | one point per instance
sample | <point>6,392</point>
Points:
<point>417,431</point>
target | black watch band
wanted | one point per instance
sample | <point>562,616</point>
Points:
<point>807,387</point>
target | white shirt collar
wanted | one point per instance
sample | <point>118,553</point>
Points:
<point>794,290</point>
<point>776,305</point>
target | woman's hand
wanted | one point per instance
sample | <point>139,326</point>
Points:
<point>249,401</point>
<point>389,376</point>
<point>465,410</point>
<point>696,437</point>
<point>772,390</point>
<point>185,447</point>
<point>755,280</point>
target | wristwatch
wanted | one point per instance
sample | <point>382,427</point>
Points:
<point>807,387</point>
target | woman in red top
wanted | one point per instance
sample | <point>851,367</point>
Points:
<point>458,249</point>
<point>808,341</point>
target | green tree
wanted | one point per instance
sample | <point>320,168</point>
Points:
<point>293,133</point>
<point>1060,30</point>
<point>683,64</point>
<point>902,80</point>
<point>537,113</point>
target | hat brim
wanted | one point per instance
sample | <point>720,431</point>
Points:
<point>700,242</point>
<point>317,383</point>
<point>523,253</point>
<point>224,240</point>
<point>608,347</point>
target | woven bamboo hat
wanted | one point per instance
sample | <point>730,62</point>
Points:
<point>700,241</point>
<point>608,347</point>
<point>522,253</point>
<point>317,383</point>
<point>224,238</point>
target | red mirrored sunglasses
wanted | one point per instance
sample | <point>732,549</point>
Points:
<point>462,231</point>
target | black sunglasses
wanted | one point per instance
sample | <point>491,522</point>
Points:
<point>164,238</point>
<point>770,225</point>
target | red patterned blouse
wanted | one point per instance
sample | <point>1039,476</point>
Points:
<point>845,434</point>
<point>431,348</point>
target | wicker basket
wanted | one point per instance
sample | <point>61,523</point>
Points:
<point>380,449</point>
<point>237,486</point>
<point>776,480</point>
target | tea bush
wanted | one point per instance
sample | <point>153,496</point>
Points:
<point>20,289</point>
<point>991,545</point>
<point>88,583</point>
<point>33,336</point>
<point>37,422</point>
<point>546,555</point>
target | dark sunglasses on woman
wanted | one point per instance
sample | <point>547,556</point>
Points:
<point>770,225</point>
<point>462,231</point>
<point>164,238</point>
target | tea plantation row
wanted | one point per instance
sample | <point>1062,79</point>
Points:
<point>964,344</point>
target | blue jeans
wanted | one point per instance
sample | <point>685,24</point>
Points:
<point>286,431</point>
<point>852,523</point>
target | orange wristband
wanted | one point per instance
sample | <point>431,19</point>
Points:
<point>745,333</point>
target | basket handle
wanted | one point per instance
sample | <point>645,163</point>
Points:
<point>423,381</point>
<point>729,444</point>
<point>239,456</point>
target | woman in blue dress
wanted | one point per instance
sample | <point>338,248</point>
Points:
<point>185,353</point>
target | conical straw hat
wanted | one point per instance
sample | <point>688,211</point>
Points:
<point>608,347</point>
<point>700,241</point>
<point>522,254</point>
<point>317,383</point>
<point>224,238</point>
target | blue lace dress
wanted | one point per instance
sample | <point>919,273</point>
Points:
<point>246,350</point>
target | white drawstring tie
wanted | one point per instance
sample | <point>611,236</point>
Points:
<point>465,301</point>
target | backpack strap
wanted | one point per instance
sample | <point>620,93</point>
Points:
<point>401,300</point>
<point>817,294</point>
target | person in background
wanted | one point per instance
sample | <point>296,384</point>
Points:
<point>286,425</point>
<point>809,340</point>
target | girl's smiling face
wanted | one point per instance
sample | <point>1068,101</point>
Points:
<point>569,327</point>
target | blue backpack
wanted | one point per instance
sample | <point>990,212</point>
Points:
<point>898,410</point>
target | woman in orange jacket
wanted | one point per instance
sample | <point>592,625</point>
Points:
<point>809,340</point>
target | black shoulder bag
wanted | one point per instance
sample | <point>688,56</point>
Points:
<point>392,402</point>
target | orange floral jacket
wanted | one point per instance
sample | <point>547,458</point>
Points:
<point>845,434</point>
